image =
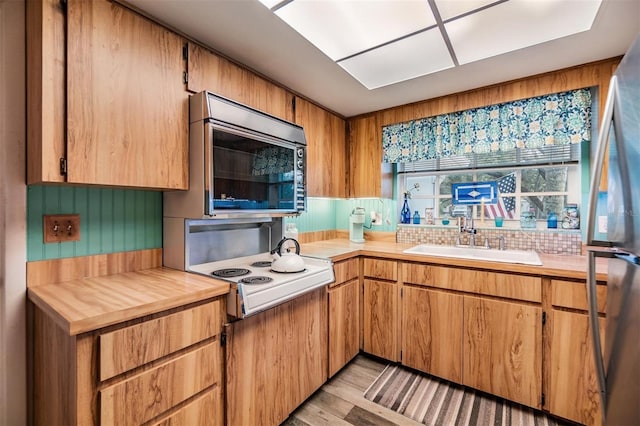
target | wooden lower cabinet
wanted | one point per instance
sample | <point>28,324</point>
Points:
<point>502,352</point>
<point>144,396</point>
<point>163,369</point>
<point>203,410</point>
<point>432,332</point>
<point>344,324</point>
<point>572,386</point>
<point>276,359</point>
<point>381,319</point>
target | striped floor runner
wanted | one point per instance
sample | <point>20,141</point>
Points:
<point>436,402</point>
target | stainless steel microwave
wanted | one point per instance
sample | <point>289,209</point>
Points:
<point>243,162</point>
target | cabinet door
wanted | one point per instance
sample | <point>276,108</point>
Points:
<point>573,388</point>
<point>502,352</point>
<point>368,176</point>
<point>127,110</point>
<point>432,332</point>
<point>326,150</point>
<point>211,72</point>
<point>276,359</point>
<point>45,22</point>
<point>344,325</point>
<point>380,319</point>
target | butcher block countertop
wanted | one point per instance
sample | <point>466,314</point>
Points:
<point>555,266</point>
<point>88,304</point>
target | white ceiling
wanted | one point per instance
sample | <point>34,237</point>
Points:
<point>248,32</point>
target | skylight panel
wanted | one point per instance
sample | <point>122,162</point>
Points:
<point>420,54</point>
<point>342,28</point>
<point>517,24</point>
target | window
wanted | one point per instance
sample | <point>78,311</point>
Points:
<point>543,183</point>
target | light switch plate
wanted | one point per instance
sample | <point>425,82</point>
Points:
<point>602,224</point>
<point>59,228</point>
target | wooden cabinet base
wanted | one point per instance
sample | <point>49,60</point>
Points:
<point>432,332</point>
<point>503,349</point>
<point>344,325</point>
<point>180,383</point>
<point>276,359</point>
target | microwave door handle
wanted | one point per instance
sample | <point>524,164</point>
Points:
<point>208,169</point>
<point>601,149</point>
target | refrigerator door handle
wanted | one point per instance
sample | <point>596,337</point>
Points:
<point>594,326</point>
<point>601,150</point>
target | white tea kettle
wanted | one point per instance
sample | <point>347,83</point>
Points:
<point>287,261</point>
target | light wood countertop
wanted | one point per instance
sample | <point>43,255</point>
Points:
<point>558,266</point>
<point>88,304</point>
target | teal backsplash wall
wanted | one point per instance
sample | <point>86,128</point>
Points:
<point>114,220</point>
<point>111,220</point>
<point>329,213</point>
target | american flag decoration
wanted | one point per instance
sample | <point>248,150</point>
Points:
<point>506,206</point>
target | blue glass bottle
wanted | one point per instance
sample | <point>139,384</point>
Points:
<point>405,213</point>
<point>416,218</point>
<point>552,220</point>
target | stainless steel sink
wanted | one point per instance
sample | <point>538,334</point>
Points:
<point>504,256</point>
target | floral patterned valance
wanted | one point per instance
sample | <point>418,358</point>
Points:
<point>557,119</point>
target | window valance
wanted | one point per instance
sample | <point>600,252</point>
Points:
<point>556,119</point>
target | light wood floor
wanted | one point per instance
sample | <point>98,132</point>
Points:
<point>340,401</point>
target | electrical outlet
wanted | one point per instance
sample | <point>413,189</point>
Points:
<point>376,218</point>
<point>58,228</point>
<point>602,224</point>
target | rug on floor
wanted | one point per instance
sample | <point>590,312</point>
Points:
<point>432,401</point>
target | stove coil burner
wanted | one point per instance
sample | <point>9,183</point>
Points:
<point>256,280</point>
<point>230,272</point>
<point>261,264</point>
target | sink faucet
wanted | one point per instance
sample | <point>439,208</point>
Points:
<point>464,228</point>
<point>502,243</point>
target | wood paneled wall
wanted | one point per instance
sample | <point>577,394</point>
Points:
<point>594,74</point>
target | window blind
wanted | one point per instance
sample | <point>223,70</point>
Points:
<point>520,157</point>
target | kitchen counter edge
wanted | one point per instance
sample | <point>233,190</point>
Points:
<point>88,304</point>
<point>554,266</point>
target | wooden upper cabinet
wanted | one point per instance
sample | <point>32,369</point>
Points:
<point>127,111</point>
<point>368,176</point>
<point>107,97</point>
<point>45,22</point>
<point>326,150</point>
<point>207,71</point>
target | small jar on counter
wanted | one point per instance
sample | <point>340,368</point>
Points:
<point>571,217</point>
<point>428,216</point>
<point>416,218</point>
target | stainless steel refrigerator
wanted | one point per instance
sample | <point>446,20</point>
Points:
<point>619,369</point>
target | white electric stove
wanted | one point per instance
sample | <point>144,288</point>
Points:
<point>255,287</point>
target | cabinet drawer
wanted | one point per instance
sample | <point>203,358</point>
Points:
<point>383,269</point>
<point>573,294</point>
<point>130,347</point>
<point>345,271</point>
<point>152,392</point>
<point>204,410</point>
<point>512,286</point>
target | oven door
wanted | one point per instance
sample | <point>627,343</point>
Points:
<point>253,174</point>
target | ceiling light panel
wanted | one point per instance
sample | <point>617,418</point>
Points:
<point>270,3</point>
<point>450,9</point>
<point>342,28</point>
<point>402,60</point>
<point>517,24</point>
